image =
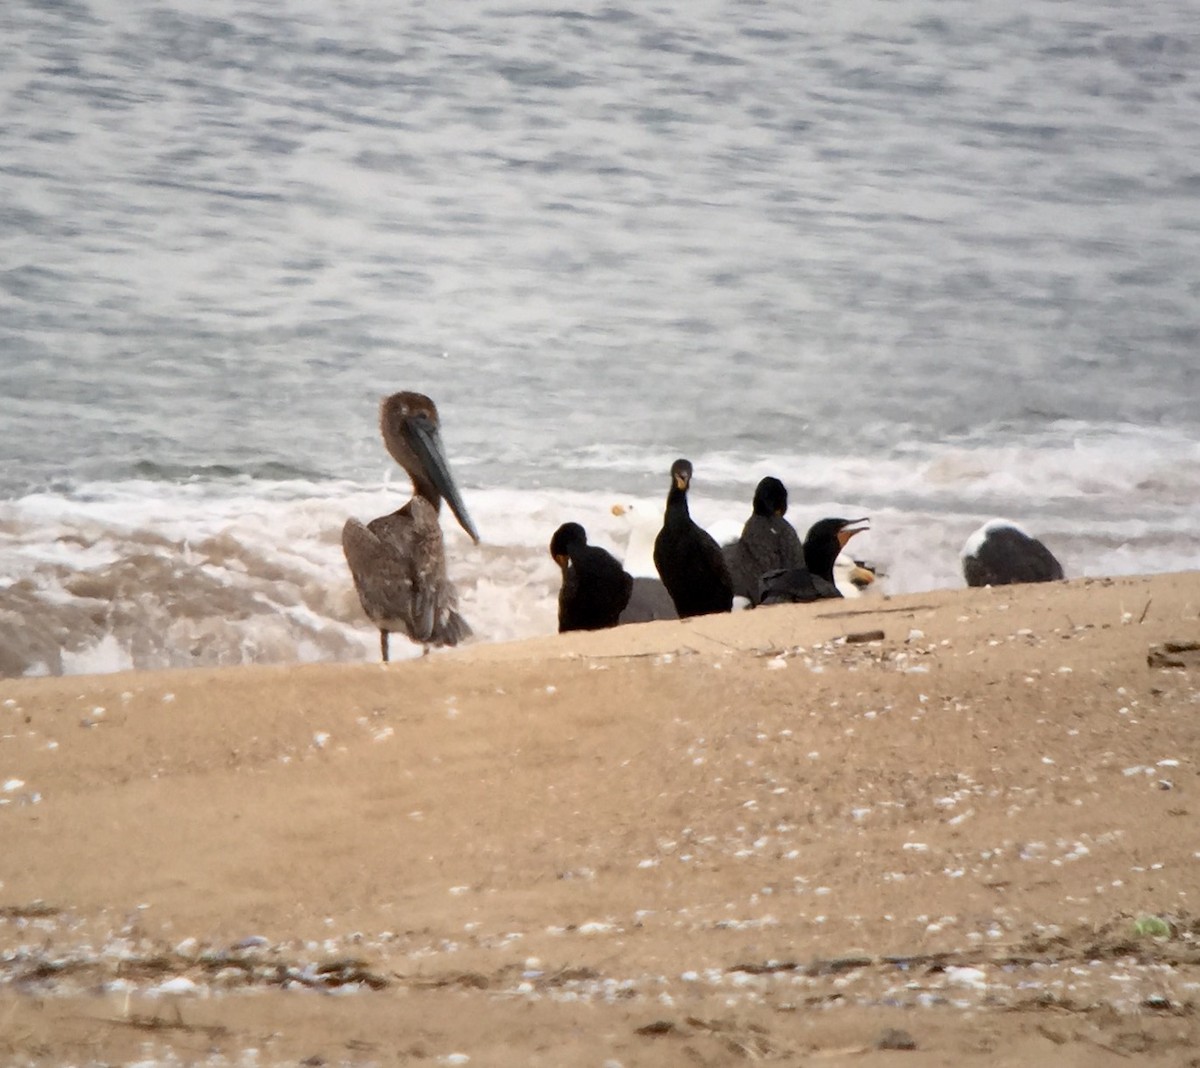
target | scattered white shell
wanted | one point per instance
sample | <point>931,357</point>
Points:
<point>181,984</point>
<point>251,942</point>
<point>973,977</point>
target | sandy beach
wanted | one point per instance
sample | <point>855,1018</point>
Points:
<point>952,828</point>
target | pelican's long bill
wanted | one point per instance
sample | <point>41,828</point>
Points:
<point>426,442</point>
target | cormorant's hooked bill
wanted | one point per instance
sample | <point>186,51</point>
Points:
<point>850,527</point>
<point>681,474</point>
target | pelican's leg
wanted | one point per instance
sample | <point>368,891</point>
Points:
<point>383,644</point>
<point>425,649</point>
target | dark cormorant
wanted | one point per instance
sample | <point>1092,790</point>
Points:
<point>813,582</point>
<point>768,542</point>
<point>398,561</point>
<point>595,587</point>
<point>688,559</point>
<point>1000,553</point>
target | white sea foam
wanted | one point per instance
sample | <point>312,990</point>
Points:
<point>145,573</point>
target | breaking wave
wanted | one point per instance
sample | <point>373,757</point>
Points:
<point>196,569</point>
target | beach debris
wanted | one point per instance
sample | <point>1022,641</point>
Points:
<point>1174,654</point>
<point>859,637</point>
<point>249,942</point>
<point>658,1027</point>
<point>34,910</point>
<point>1151,927</point>
<point>180,984</point>
<point>966,976</point>
<point>895,1038</point>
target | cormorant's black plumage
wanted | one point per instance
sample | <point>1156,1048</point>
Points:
<point>688,558</point>
<point>814,581</point>
<point>768,542</point>
<point>595,587</point>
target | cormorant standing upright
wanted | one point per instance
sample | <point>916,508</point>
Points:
<point>688,559</point>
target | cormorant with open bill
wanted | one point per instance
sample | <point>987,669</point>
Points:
<point>813,582</point>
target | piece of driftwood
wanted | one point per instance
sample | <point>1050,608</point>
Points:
<point>1174,654</point>
<point>864,636</point>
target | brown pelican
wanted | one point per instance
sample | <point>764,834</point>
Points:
<point>813,582</point>
<point>398,561</point>
<point>768,542</point>
<point>1000,553</point>
<point>595,587</point>
<point>688,558</point>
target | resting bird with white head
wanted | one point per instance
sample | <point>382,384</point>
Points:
<point>1000,553</point>
<point>398,561</point>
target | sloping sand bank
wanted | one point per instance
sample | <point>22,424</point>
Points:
<point>699,843</point>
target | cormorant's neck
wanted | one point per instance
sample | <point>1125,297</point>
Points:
<point>819,558</point>
<point>677,506</point>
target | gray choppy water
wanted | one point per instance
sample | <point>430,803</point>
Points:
<point>703,226</point>
<point>932,258</point>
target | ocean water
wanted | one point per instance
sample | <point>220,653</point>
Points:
<point>923,261</point>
